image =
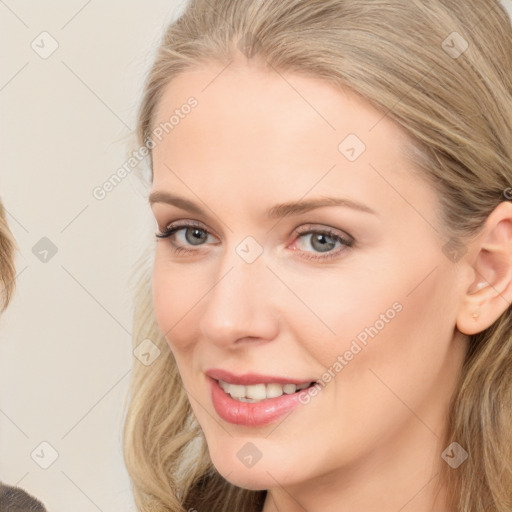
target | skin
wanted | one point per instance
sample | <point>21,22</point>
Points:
<point>372,438</point>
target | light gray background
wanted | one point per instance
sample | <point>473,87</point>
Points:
<point>65,346</point>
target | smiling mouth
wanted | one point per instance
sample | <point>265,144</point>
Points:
<point>258,392</point>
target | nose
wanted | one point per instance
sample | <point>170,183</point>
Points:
<point>241,304</point>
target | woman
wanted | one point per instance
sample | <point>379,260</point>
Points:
<point>12,499</point>
<point>327,325</point>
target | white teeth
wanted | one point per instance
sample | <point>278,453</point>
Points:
<point>237,391</point>
<point>289,388</point>
<point>258,392</point>
<point>274,390</point>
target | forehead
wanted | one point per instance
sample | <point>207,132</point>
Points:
<point>251,105</point>
<point>258,130</point>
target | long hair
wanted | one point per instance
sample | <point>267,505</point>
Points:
<point>7,266</point>
<point>441,70</point>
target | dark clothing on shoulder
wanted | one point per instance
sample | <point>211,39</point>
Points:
<point>14,499</point>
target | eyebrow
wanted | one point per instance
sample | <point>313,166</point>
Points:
<point>278,211</point>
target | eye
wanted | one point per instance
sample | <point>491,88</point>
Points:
<point>193,234</point>
<point>323,241</point>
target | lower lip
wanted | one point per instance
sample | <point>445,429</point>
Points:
<point>251,414</point>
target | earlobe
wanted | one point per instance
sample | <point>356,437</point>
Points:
<point>490,293</point>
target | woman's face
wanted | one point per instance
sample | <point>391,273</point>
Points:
<point>350,287</point>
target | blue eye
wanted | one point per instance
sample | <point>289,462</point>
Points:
<point>323,241</point>
<point>193,234</point>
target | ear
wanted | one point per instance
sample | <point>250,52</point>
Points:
<point>490,292</point>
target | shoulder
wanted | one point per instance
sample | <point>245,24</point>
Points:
<point>14,499</point>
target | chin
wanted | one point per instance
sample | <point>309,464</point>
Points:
<point>255,478</point>
<point>247,478</point>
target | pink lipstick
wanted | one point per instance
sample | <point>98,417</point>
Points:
<point>253,400</point>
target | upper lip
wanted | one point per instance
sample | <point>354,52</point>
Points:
<point>248,379</point>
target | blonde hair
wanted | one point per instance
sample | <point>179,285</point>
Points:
<point>401,56</point>
<point>7,267</point>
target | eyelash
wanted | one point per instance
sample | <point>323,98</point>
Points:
<point>347,242</point>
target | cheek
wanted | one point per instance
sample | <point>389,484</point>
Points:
<point>402,360</point>
<point>163,298</point>
<point>395,316</point>
<point>175,292</point>
<point>330,308</point>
